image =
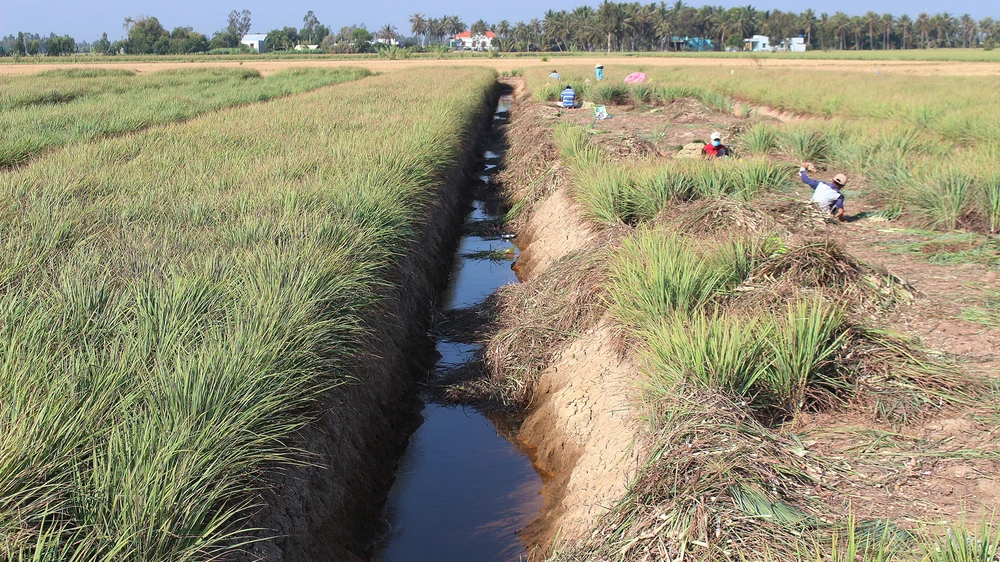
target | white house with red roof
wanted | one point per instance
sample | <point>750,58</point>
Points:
<point>467,40</point>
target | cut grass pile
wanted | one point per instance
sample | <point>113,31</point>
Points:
<point>988,313</point>
<point>62,107</point>
<point>174,302</point>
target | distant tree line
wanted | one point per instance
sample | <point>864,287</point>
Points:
<point>30,44</point>
<point>625,26</point>
<point>632,26</point>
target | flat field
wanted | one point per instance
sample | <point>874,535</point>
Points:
<point>174,301</point>
<point>59,107</point>
<point>265,67</point>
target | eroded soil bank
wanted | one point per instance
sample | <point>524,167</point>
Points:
<point>582,424</point>
<point>328,509</point>
<point>585,405</point>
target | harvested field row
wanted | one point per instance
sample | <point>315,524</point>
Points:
<point>58,108</point>
<point>749,326</point>
<point>912,157</point>
<point>175,303</point>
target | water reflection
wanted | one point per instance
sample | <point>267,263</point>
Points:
<point>462,491</point>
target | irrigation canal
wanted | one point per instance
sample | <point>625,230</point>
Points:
<point>462,491</point>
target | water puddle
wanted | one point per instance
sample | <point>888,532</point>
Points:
<point>462,491</point>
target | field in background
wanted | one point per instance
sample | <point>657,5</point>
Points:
<point>911,152</point>
<point>60,107</point>
<point>175,301</point>
<point>547,61</point>
<point>948,54</point>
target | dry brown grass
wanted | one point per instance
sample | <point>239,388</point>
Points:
<point>528,324</point>
<point>531,170</point>
<point>822,264</point>
<point>717,486</point>
<point>711,217</point>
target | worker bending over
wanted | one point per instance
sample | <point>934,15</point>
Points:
<point>827,195</point>
<point>567,97</point>
<point>715,148</point>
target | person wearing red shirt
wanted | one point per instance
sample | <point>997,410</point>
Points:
<point>715,149</point>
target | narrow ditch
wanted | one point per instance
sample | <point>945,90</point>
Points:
<point>463,491</point>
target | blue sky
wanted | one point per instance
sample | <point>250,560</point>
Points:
<point>87,19</point>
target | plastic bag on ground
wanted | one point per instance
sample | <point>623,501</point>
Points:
<point>635,78</point>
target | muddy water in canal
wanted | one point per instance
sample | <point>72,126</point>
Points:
<point>462,491</point>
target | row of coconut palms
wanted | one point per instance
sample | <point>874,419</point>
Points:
<point>435,29</point>
<point>647,27</point>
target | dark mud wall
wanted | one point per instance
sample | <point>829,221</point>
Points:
<point>330,511</point>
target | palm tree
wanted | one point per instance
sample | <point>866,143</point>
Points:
<point>942,23</point>
<point>664,25</point>
<point>721,24</point>
<point>609,14</point>
<point>923,25</point>
<point>858,26</point>
<point>503,28</point>
<point>905,24</point>
<point>986,29</point>
<point>808,24</point>
<point>842,25</point>
<point>479,27</point>
<point>968,30</point>
<point>824,25</point>
<point>887,23</point>
<point>535,32</point>
<point>453,25</point>
<point>388,33</point>
<point>554,26</point>
<point>436,28</point>
<point>418,26</point>
<point>635,20</point>
<point>745,21</point>
<point>871,19</point>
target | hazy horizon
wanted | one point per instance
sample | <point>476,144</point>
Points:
<point>86,22</point>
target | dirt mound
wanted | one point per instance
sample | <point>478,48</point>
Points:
<point>583,430</point>
<point>688,111</point>
<point>558,223</point>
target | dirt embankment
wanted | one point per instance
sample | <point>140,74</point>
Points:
<point>582,424</point>
<point>329,509</point>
